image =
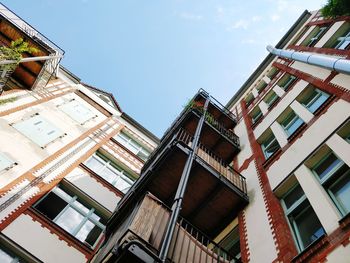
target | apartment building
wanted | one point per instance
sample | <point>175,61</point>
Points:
<point>265,178</point>
<point>68,154</point>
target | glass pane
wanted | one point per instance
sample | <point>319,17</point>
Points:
<point>109,175</point>
<point>123,184</point>
<point>293,196</point>
<point>69,220</point>
<point>5,257</point>
<point>51,205</point>
<point>231,243</point>
<point>296,123</point>
<point>77,111</point>
<point>309,227</point>
<point>5,162</point>
<point>89,233</point>
<point>270,147</point>
<point>94,164</point>
<point>341,192</point>
<point>317,103</point>
<point>327,166</point>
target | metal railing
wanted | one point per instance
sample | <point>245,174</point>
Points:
<point>215,162</point>
<point>188,244</point>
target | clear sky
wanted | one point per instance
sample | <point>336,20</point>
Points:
<point>153,55</point>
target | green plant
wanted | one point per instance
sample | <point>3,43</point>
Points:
<point>15,51</point>
<point>4,101</point>
<point>335,8</point>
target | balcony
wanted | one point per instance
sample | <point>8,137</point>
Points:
<point>217,133</point>
<point>29,75</point>
<point>213,186</point>
<point>139,237</point>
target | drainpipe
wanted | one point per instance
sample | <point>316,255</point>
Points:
<point>180,192</point>
<point>341,65</point>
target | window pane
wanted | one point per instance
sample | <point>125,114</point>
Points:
<point>294,125</point>
<point>293,196</point>
<point>89,233</point>
<point>123,184</point>
<point>94,164</point>
<point>231,243</point>
<point>47,208</point>
<point>109,175</point>
<point>270,146</point>
<point>327,166</point>
<point>309,227</point>
<point>5,162</point>
<point>77,111</point>
<point>5,257</point>
<point>317,103</point>
<point>341,192</point>
<point>69,220</point>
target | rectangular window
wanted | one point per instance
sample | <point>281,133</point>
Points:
<point>71,213</point>
<point>231,244</point>
<point>343,42</point>
<point>39,130</point>
<point>249,99</point>
<point>256,114</point>
<point>7,256</point>
<point>270,146</point>
<point>270,98</point>
<point>312,99</point>
<point>132,145</point>
<point>77,111</point>
<point>111,172</point>
<point>334,175</point>
<point>291,123</point>
<point>315,35</point>
<point>302,219</point>
<point>5,162</point>
<point>262,85</point>
<point>286,82</point>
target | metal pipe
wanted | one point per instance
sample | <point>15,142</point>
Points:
<point>5,62</point>
<point>180,192</point>
<point>341,65</point>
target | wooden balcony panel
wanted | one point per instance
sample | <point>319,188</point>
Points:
<point>148,227</point>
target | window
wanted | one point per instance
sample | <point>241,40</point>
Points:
<point>109,171</point>
<point>249,99</point>
<point>262,85</point>
<point>344,132</point>
<point>39,130</point>
<point>77,111</point>
<point>270,98</point>
<point>286,82</point>
<point>291,122</point>
<point>5,162</point>
<point>334,175</point>
<point>71,213</point>
<point>270,146</point>
<point>272,72</point>
<point>314,36</point>
<point>132,145</point>
<point>312,98</point>
<point>256,114</point>
<point>343,42</point>
<point>230,243</point>
<point>302,219</point>
<point>7,256</point>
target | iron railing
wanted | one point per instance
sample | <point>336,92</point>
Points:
<point>214,161</point>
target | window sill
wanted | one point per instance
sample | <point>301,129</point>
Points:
<point>311,249</point>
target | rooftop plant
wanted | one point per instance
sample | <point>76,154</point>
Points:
<point>335,8</point>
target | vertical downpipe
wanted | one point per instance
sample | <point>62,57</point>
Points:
<point>180,192</point>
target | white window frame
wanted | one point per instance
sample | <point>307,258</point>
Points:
<point>314,39</point>
<point>264,147</point>
<point>314,99</point>
<point>287,126</point>
<point>119,172</point>
<point>344,42</point>
<point>291,220</point>
<point>88,216</point>
<point>289,81</point>
<point>130,143</point>
<point>329,176</point>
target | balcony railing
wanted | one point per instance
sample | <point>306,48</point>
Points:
<point>147,224</point>
<point>215,162</point>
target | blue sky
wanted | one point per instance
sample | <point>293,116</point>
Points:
<point>154,55</point>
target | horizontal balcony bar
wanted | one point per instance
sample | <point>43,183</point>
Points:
<point>215,162</point>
